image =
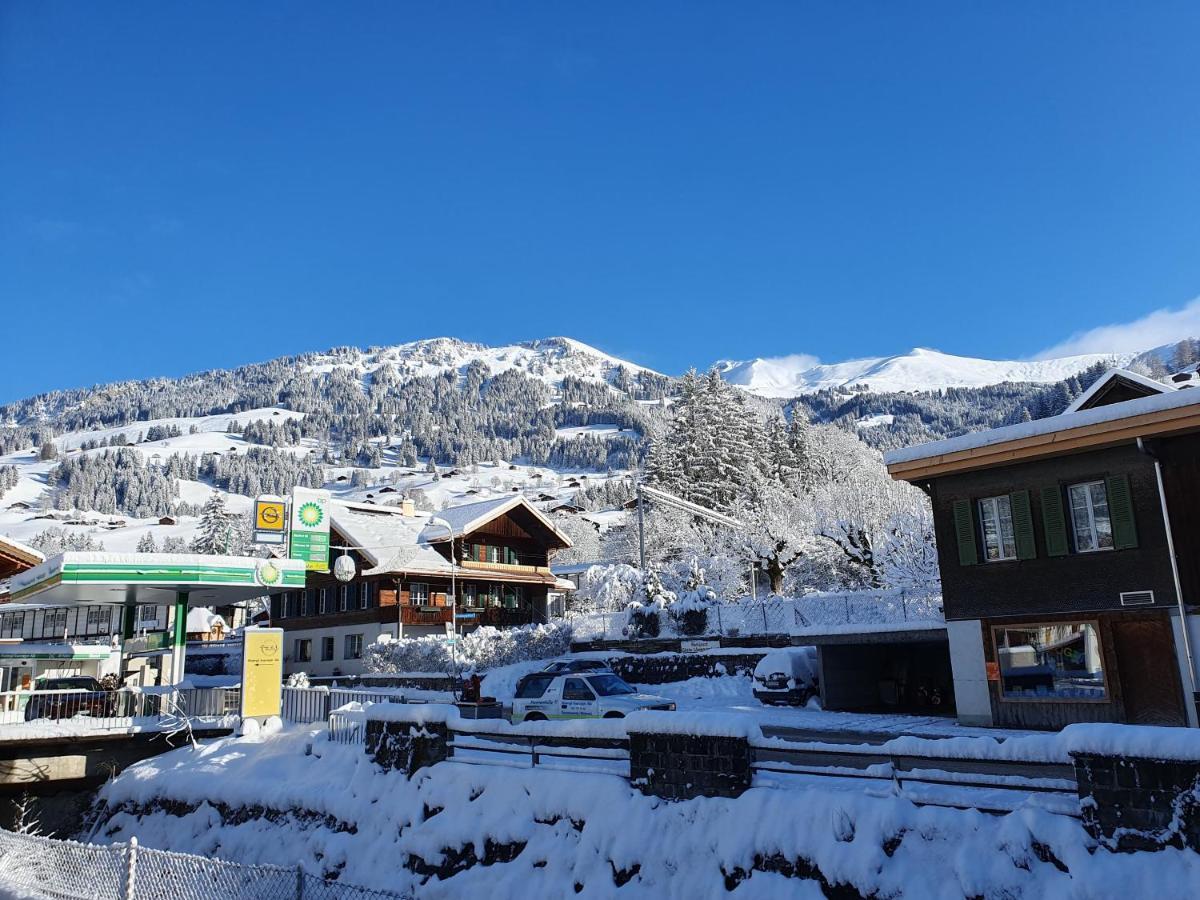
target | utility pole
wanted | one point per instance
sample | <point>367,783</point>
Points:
<point>641,526</point>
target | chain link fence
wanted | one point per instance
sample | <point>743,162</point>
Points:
<point>66,870</point>
<point>773,616</point>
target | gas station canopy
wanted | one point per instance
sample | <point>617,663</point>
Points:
<point>154,578</point>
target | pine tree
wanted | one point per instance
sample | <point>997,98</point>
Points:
<point>146,544</point>
<point>217,528</point>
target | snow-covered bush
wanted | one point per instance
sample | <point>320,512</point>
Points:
<point>298,680</point>
<point>483,648</point>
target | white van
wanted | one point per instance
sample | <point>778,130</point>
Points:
<point>582,695</point>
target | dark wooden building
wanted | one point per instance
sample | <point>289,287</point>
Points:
<point>1066,598</point>
<point>495,553</point>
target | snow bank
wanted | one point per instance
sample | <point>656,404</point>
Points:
<point>571,834</point>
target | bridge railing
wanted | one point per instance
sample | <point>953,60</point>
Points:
<point>32,714</point>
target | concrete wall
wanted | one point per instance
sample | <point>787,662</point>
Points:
<point>971,694</point>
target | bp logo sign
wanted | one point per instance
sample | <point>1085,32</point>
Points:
<point>310,515</point>
<point>268,574</point>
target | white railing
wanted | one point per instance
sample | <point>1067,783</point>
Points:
<point>347,726</point>
<point>34,714</point>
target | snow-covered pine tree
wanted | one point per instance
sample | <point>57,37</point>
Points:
<point>217,532</point>
<point>146,544</point>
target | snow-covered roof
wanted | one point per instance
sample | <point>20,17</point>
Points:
<point>470,516</point>
<point>200,619</point>
<point>389,540</point>
<point>393,542</point>
<point>1082,401</point>
<point>1114,412</point>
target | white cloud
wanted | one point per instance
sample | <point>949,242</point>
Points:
<point>1163,326</point>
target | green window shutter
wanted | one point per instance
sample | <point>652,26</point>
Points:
<point>1120,508</point>
<point>964,527</point>
<point>1054,519</point>
<point>1022,519</point>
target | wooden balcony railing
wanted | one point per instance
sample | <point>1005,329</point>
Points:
<point>417,615</point>
<point>503,567</point>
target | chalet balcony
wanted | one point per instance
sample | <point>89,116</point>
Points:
<point>424,615</point>
<point>503,567</point>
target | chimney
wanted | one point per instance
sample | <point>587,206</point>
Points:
<point>407,507</point>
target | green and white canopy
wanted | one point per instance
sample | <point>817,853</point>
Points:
<point>154,578</point>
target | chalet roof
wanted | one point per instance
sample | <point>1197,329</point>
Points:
<point>471,516</point>
<point>1102,385</point>
<point>390,541</point>
<point>17,557</point>
<point>1172,412</point>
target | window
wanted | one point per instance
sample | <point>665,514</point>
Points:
<point>418,594</point>
<point>303,651</point>
<point>1062,661</point>
<point>12,624</point>
<point>513,595</point>
<point>996,524</point>
<point>54,623</point>
<point>470,595</point>
<point>147,618</point>
<point>352,596</point>
<point>534,686</point>
<point>353,647</point>
<point>610,685</point>
<point>364,594</point>
<point>343,597</point>
<point>304,607</point>
<point>1090,519</point>
<point>326,649</point>
<point>323,600</point>
<point>492,597</point>
<point>576,689</point>
<point>99,619</point>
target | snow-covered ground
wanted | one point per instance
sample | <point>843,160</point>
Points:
<point>575,834</point>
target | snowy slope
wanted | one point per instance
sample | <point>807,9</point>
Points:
<point>917,370</point>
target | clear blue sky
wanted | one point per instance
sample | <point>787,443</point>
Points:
<point>188,186</point>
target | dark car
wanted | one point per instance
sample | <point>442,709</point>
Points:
<point>787,677</point>
<point>64,698</point>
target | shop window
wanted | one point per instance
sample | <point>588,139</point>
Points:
<point>1062,661</point>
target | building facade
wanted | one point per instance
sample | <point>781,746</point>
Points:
<point>1067,598</point>
<point>496,554</point>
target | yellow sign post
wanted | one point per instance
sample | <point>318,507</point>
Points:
<point>262,672</point>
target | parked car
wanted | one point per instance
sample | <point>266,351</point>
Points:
<point>787,676</point>
<point>563,666</point>
<point>63,698</point>
<point>590,695</point>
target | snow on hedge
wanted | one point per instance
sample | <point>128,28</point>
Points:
<point>483,648</point>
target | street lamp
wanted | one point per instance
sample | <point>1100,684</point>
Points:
<point>438,520</point>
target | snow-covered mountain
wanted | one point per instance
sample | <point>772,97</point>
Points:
<point>918,370</point>
<point>549,360</point>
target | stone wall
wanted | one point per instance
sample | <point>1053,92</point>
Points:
<point>406,746</point>
<point>682,666</point>
<point>685,766</point>
<point>1139,804</point>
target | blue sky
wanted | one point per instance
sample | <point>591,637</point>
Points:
<point>189,186</point>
